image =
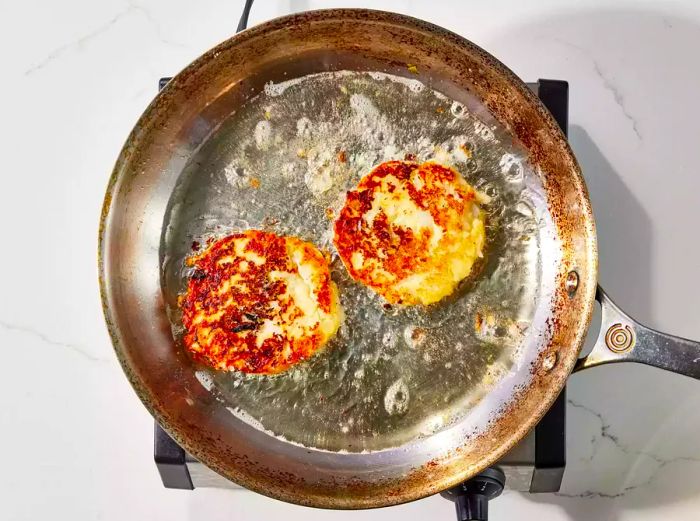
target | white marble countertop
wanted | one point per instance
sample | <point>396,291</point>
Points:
<point>77,74</point>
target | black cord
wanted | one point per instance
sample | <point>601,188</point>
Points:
<point>243,23</point>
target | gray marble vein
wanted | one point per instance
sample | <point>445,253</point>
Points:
<point>606,434</point>
<point>77,43</point>
<point>617,96</point>
<point>154,23</point>
<point>132,7</point>
<point>608,84</point>
<point>81,351</point>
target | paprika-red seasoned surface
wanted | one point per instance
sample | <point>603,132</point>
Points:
<point>259,303</point>
<point>411,231</point>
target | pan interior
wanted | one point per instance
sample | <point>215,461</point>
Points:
<point>283,162</point>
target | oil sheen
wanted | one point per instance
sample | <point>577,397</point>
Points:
<point>283,162</point>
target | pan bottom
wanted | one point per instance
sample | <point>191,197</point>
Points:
<point>283,162</point>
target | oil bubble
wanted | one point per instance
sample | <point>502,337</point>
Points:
<point>396,398</point>
<point>512,168</point>
<point>458,110</point>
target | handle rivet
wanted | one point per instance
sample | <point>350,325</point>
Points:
<point>571,284</point>
<point>550,361</point>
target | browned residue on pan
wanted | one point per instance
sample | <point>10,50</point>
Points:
<point>378,41</point>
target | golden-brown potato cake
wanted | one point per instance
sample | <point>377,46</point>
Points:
<point>411,231</point>
<point>259,303</point>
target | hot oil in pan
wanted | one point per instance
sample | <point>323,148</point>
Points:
<point>283,162</point>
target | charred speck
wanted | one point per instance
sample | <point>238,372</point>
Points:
<point>195,245</point>
<point>199,275</point>
<point>245,326</point>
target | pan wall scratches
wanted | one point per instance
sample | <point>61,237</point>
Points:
<point>76,76</point>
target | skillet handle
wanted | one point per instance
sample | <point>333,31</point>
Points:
<point>622,339</point>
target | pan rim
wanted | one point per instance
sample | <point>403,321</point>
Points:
<point>157,409</point>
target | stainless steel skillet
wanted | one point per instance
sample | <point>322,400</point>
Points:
<point>434,395</point>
